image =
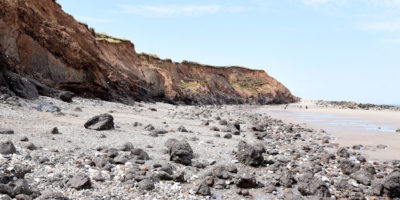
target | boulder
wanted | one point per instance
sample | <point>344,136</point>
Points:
<point>4,131</point>
<point>181,152</point>
<point>246,180</point>
<point>363,176</point>
<point>342,152</point>
<point>391,184</point>
<point>203,189</point>
<point>348,167</point>
<point>249,154</point>
<point>100,122</point>
<point>314,187</point>
<point>140,154</point>
<point>7,148</point>
<point>79,182</point>
<point>146,184</point>
<point>66,96</point>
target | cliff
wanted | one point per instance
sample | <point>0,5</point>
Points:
<point>44,50</point>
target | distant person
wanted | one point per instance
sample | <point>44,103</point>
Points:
<point>306,107</point>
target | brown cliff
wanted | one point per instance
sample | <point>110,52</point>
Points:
<point>42,47</point>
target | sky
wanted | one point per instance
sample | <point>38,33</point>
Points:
<point>320,49</point>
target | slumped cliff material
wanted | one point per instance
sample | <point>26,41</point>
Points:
<point>42,47</point>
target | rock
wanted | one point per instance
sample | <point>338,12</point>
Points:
<point>232,169</point>
<point>391,184</point>
<point>179,177</point>
<point>246,180</point>
<point>237,125</point>
<point>100,162</point>
<point>140,154</point>
<point>223,122</point>
<point>66,96</point>
<point>214,128</point>
<point>250,155</point>
<point>45,107</point>
<point>164,176</point>
<point>221,172</point>
<point>54,131</point>
<point>158,132</point>
<point>315,187</point>
<point>181,152</point>
<point>7,148</point>
<point>136,124</point>
<point>22,187</point>
<point>362,176</point>
<point>258,128</point>
<point>53,196</point>
<point>381,146</point>
<point>146,184</point>
<point>6,189</point>
<point>128,146</point>
<point>31,147</point>
<point>100,122</point>
<point>342,152</point>
<point>4,131</point>
<point>121,159</point>
<point>23,197</point>
<point>24,139</point>
<point>244,192</point>
<point>149,127</point>
<point>203,189</point>
<point>228,136</point>
<point>182,129</point>
<point>377,187</point>
<point>170,142</point>
<point>270,188</point>
<point>112,153</point>
<point>209,180</point>
<point>287,180</point>
<point>79,182</point>
<point>348,167</point>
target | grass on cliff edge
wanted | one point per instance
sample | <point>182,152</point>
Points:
<point>105,37</point>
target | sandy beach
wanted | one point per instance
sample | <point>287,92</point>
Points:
<point>349,127</point>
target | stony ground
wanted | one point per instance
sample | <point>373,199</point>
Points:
<point>90,149</point>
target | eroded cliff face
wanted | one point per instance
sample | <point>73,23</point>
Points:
<point>44,48</point>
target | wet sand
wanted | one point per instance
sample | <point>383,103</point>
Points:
<point>350,127</point>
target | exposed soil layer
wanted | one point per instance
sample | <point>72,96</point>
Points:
<point>42,48</point>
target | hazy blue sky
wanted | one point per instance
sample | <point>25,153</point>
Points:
<point>320,49</point>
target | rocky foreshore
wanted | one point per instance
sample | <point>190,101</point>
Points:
<point>91,149</point>
<point>354,105</point>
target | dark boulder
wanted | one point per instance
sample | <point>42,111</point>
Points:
<point>66,96</point>
<point>314,187</point>
<point>100,122</point>
<point>348,167</point>
<point>4,131</point>
<point>246,180</point>
<point>203,189</point>
<point>181,152</point>
<point>7,148</point>
<point>249,154</point>
<point>391,184</point>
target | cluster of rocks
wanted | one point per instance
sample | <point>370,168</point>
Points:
<point>267,159</point>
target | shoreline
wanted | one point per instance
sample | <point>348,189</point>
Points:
<point>350,127</point>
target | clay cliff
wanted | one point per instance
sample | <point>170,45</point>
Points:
<point>44,51</point>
